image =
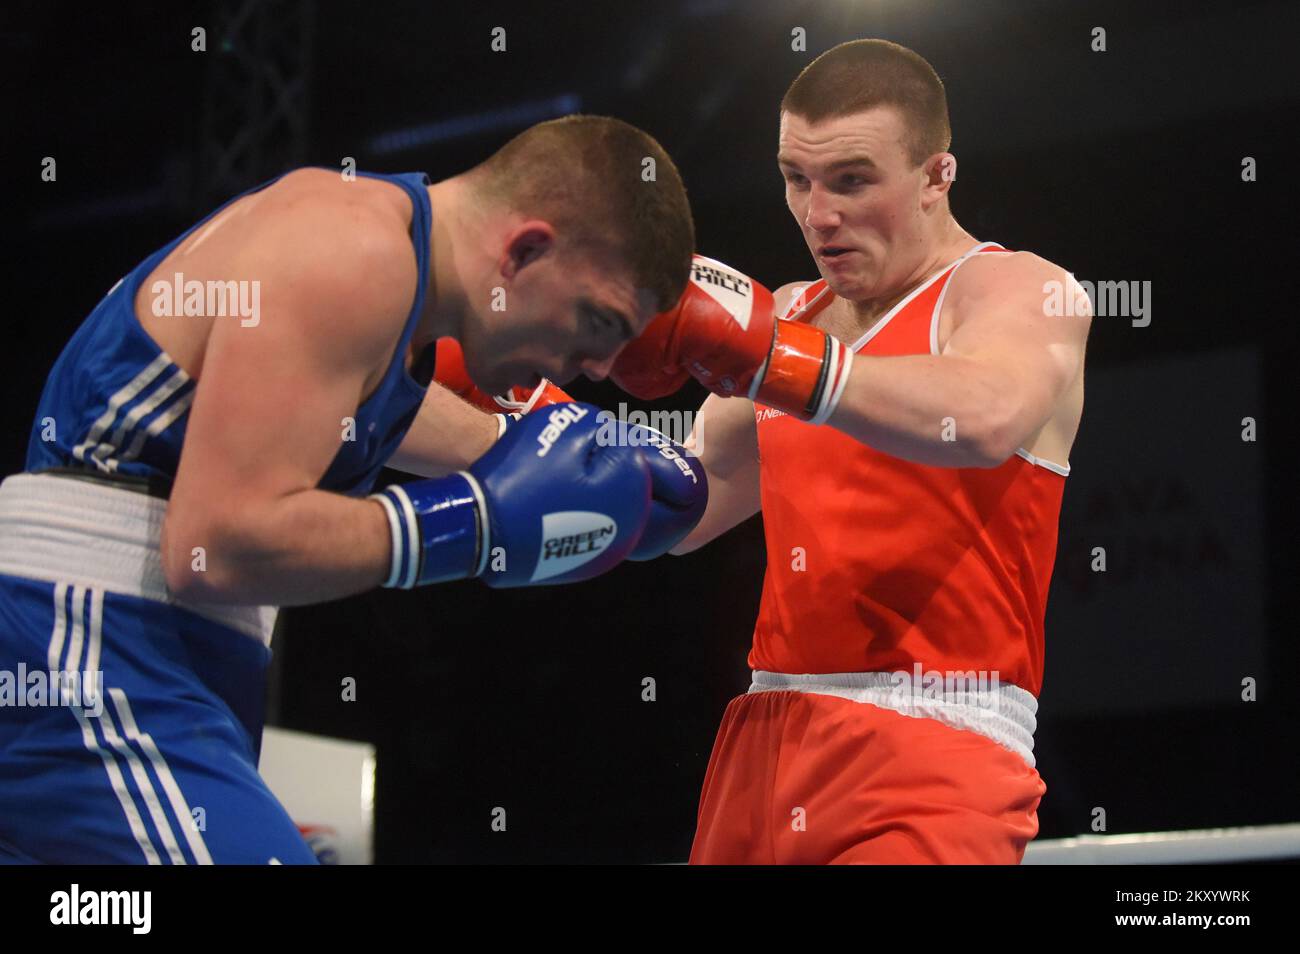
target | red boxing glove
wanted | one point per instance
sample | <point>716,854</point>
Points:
<point>450,372</point>
<point>723,332</point>
<point>720,332</point>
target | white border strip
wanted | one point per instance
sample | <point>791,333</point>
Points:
<point>180,807</point>
<point>1064,471</point>
<point>70,530</point>
<point>484,524</point>
<point>144,378</point>
<point>943,293</point>
<point>1209,845</point>
<point>116,781</point>
<point>1006,715</point>
<point>792,313</point>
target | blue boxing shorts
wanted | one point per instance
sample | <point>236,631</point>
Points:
<point>130,724</point>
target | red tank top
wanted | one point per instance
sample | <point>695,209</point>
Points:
<point>877,564</point>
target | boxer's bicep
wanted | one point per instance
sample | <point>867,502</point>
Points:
<point>725,437</point>
<point>276,397</point>
<point>1005,325</point>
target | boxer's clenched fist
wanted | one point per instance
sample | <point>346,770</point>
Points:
<point>720,332</point>
<point>679,489</point>
<point>724,333</point>
<point>549,503</point>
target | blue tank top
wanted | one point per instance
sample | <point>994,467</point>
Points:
<point>115,403</point>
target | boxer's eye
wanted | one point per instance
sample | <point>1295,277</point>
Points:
<point>597,322</point>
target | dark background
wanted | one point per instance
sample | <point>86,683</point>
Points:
<point>1122,165</point>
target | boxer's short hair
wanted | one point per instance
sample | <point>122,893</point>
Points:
<point>863,74</point>
<point>588,176</point>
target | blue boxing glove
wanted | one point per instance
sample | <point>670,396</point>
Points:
<point>548,503</point>
<point>679,489</point>
<point>679,492</point>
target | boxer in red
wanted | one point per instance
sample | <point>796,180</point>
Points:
<point>905,426</point>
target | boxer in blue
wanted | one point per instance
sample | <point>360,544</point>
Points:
<point>206,446</point>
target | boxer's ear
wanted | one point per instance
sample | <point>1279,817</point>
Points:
<point>940,173</point>
<point>526,243</point>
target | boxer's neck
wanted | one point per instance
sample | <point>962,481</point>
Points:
<point>445,299</point>
<point>950,244</point>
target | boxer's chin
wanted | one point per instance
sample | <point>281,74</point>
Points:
<point>855,285</point>
<point>843,285</point>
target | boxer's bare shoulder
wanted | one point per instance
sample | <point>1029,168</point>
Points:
<point>335,276</point>
<point>1010,293</point>
<point>996,276</point>
<point>340,249</point>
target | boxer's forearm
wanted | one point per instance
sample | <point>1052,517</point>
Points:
<point>731,502</point>
<point>725,438</point>
<point>306,547</point>
<point>938,410</point>
<point>447,435</point>
<point>313,545</point>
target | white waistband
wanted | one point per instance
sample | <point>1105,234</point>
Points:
<point>91,533</point>
<point>996,710</point>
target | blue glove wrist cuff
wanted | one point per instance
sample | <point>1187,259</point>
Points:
<point>438,530</point>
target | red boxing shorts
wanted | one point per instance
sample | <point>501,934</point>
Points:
<point>806,778</point>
